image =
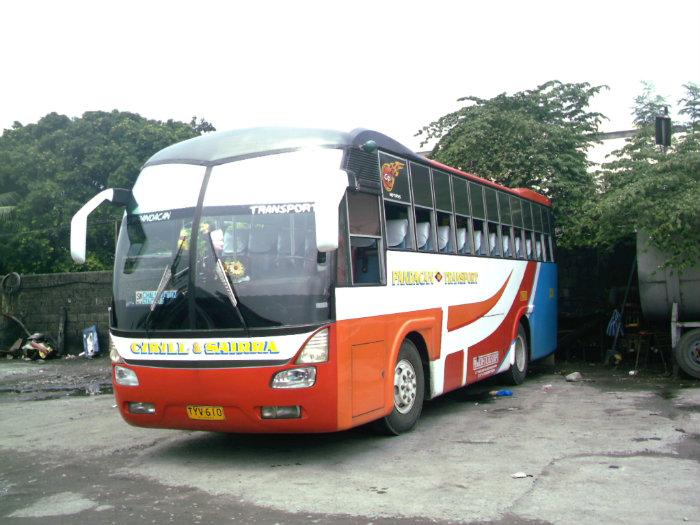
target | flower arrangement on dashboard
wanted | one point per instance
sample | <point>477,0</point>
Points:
<point>235,269</point>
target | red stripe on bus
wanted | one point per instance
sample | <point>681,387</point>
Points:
<point>500,339</point>
<point>464,314</point>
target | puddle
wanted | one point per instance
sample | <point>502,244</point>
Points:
<point>476,397</point>
<point>667,394</point>
<point>45,392</point>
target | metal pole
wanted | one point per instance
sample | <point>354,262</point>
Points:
<point>612,351</point>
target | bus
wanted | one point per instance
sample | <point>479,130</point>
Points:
<point>307,280</point>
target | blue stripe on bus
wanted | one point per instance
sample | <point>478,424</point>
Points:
<point>543,320</point>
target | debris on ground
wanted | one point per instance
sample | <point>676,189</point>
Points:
<point>32,348</point>
<point>501,393</point>
<point>91,345</point>
<point>520,475</point>
<point>37,346</point>
<point>574,377</point>
<point>547,387</point>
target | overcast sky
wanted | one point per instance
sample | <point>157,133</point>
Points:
<point>389,66</point>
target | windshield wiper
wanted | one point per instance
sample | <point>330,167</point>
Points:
<point>165,279</point>
<point>228,288</point>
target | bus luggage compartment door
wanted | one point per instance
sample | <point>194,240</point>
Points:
<point>368,373</point>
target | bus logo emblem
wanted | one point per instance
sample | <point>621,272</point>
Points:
<point>390,171</point>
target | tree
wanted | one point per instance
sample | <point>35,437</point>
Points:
<point>647,188</point>
<point>201,126</point>
<point>535,138</point>
<point>54,166</point>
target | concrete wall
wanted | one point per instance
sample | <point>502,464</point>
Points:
<point>85,296</point>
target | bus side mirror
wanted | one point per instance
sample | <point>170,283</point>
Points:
<point>78,224</point>
<point>326,210</point>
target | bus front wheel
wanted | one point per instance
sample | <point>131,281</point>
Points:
<point>409,387</point>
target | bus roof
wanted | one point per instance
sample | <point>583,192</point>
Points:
<point>221,147</point>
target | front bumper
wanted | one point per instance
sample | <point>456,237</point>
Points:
<point>241,391</point>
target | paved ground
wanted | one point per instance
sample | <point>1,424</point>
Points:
<point>614,449</point>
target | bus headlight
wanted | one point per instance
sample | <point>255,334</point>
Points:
<point>316,349</point>
<point>295,378</point>
<point>125,376</point>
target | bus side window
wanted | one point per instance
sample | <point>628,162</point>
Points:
<point>505,238</point>
<point>518,243</point>
<point>366,253</point>
<point>365,260</point>
<point>425,231</point>
<point>479,244</point>
<point>550,247</point>
<point>463,237</point>
<point>494,250</point>
<point>399,233</point>
<point>444,233</point>
<point>538,248</point>
<point>530,245</point>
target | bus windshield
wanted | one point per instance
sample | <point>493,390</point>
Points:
<point>252,262</point>
<point>269,263</point>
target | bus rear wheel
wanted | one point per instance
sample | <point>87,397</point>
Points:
<point>409,389</point>
<point>517,372</point>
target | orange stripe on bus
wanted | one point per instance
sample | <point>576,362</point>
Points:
<point>464,314</point>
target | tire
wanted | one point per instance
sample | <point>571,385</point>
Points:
<point>687,353</point>
<point>516,373</point>
<point>409,389</point>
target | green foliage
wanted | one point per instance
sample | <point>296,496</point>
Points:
<point>535,139</point>
<point>647,188</point>
<point>647,105</point>
<point>7,205</point>
<point>51,168</point>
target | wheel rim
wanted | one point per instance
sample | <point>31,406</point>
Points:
<point>405,386</point>
<point>694,352</point>
<point>520,353</point>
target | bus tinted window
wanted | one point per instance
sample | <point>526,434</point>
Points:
<point>420,179</point>
<point>516,212</point>
<point>441,186</point>
<point>527,215</point>
<point>364,214</point>
<point>491,204</point>
<point>504,207</point>
<point>477,200</point>
<point>537,217</point>
<point>394,173</point>
<point>459,187</point>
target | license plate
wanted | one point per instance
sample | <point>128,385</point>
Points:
<point>206,413</point>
